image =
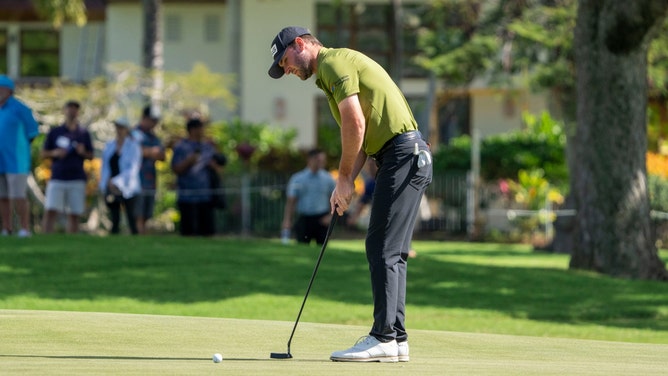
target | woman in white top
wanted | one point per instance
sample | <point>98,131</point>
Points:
<point>119,182</point>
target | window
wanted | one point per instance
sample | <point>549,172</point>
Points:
<point>40,53</point>
<point>172,28</point>
<point>368,28</point>
<point>212,28</point>
<point>454,118</point>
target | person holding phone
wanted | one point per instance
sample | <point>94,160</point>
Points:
<point>192,159</point>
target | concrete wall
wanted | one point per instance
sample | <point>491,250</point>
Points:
<point>494,112</point>
<point>181,55</point>
<point>287,102</point>
<point>82,55</point>
<point>124,33</point>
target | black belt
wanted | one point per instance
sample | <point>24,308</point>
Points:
<point>398,139</point>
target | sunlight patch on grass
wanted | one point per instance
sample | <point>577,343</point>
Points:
<point>448,284</point>
<point>6,269</point>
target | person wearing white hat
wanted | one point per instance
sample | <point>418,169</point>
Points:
<point>119,177</point>
<point>17,130</point>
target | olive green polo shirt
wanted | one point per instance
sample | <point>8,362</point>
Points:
<point>343,72</point>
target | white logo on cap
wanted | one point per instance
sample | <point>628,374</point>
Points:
<point>274,50</point>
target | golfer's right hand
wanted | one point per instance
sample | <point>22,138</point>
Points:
<point>342,195</point>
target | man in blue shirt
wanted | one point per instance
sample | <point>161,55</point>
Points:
<point>68,145</point>
<point>17,130</point>
<point>193,159</point>
<point>308,192</point>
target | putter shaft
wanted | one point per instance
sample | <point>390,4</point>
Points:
<point>315,271</point>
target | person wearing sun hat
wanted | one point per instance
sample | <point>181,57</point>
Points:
<point>17,130</point>
<point>119,176</point>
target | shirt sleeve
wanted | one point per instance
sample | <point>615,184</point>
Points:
<point>30,126</point>
<point>293,187</point>
<point>88,143</point>
<point>49,142</point>
<point>342,80</point>
<point>180,152</point>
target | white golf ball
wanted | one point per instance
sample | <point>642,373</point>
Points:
<point>217,358</point>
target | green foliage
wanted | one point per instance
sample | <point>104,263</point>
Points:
<point>462,63</point>
<point>60,11</point>
<point>658,192</point>
<point>540,146</point>
<point>329,140</point>
<point>532,190</point>
<point>657,187</point>
<point>658,61</point>
<point>449,45</point>
<point>269,144</point>
<point>203,88</point>
<point>542,45</point>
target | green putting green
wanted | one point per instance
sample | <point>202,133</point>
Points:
<point>78,343</point>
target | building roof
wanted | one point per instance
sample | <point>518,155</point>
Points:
<point>24,10</point>
<point>172,1</point>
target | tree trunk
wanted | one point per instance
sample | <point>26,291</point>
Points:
<point>153,59</point>
<point>613,229</point>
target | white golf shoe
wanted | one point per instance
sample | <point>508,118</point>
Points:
<point>403,351</point>
<point>369,349</point>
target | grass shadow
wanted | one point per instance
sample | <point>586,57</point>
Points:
<point>179,270</point>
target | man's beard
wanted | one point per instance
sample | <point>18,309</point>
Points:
<point>304,74</point>
<point>303,71</point>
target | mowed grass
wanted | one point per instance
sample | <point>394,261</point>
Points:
<point>75,343</point>
<point>462,287</point>
<point>163,305</point>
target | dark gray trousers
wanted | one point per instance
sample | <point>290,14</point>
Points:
<point>400,185</point>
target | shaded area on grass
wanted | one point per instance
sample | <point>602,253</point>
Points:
<point>501,278</point>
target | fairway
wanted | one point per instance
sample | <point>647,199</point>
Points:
<point>73,343</point>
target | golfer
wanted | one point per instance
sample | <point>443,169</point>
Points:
<point>375,122</point>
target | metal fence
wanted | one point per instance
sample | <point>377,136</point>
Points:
<point>255,204</point>
<point>256,201</point>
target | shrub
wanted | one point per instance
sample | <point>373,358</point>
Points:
<point>541,145</point>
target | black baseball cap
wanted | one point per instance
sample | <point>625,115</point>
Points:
<point>280,44</point>
<point>194,123</point>
<point>148,113</point>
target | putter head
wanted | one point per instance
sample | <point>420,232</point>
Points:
<point>280,356</point>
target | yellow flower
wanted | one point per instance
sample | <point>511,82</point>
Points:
<point>556,197</point>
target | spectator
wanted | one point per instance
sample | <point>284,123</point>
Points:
<point>17,130</point>
<point>152,151</point>
<point>193,159</point>
<point>68,145</point>
<point>119,181</point>
<point>308,192</point>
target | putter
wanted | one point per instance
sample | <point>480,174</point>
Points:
<point>287,355</point>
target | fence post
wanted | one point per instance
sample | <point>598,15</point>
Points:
<point>245,205</point>
<point>473,187</point>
